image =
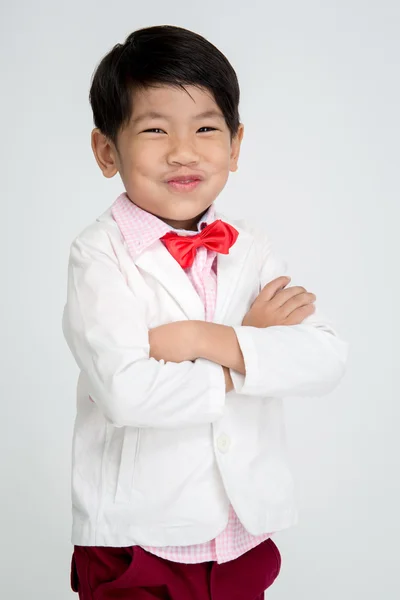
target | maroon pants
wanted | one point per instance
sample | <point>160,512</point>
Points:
<point>131,573</point>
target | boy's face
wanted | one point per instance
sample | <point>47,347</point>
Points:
<point>152,150</point>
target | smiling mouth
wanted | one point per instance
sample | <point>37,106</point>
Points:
<point>184,186</point>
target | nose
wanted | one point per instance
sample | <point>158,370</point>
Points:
<point>182,151</point>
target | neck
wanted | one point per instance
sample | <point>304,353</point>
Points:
<point>188,225</point>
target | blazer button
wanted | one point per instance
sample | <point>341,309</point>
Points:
<point>223,443</point>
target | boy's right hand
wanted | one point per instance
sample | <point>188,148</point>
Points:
<point>275,305</point>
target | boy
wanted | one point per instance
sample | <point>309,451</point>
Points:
<point>187,337</point>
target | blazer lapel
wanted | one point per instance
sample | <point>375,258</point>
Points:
<point>230,270</point>
<point>160,264</point>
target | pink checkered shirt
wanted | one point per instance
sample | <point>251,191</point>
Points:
<point>140,229</point>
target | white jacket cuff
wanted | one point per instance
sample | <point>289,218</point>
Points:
<point>294,360</point>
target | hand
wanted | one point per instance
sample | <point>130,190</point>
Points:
<point>275,305</point>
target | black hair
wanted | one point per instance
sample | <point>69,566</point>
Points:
<point>160,55</point>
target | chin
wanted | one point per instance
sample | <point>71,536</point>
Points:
<point>188,209</point>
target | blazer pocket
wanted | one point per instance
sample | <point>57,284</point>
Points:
<point>126,471</point>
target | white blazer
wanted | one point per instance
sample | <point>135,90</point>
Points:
<point>162,449</point>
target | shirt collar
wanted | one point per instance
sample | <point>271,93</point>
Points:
<point>141,229</point>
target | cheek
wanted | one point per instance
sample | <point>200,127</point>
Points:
<point>219,156</point>
<point>141,161</point>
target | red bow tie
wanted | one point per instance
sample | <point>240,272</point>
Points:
<point>218,236</point>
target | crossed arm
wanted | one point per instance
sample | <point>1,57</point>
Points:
<point>189,340</point>
<point>305,359</point>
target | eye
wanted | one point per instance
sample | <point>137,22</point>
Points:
<point>152,130</point>
<point>157,130</point>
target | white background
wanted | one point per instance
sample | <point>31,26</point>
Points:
<point>319,167</point>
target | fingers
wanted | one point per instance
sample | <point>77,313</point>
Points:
<point>297,302</point>
<point>293,304</point>
<point>283,295</point>
<point>293,297</point>
<point>272,287</point>
<point>297,316</point>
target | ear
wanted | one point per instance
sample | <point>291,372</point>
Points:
<point>105,153</point>
<point>235,148</point>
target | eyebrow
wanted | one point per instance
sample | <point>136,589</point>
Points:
<point>156,115</point>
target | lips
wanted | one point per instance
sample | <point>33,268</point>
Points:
<point>181,186</point>
<point>184,178</point>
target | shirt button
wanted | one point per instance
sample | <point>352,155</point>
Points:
<point>223,443</point>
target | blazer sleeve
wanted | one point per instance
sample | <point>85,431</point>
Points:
<point>104,325</point>
<point>290,360</point>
